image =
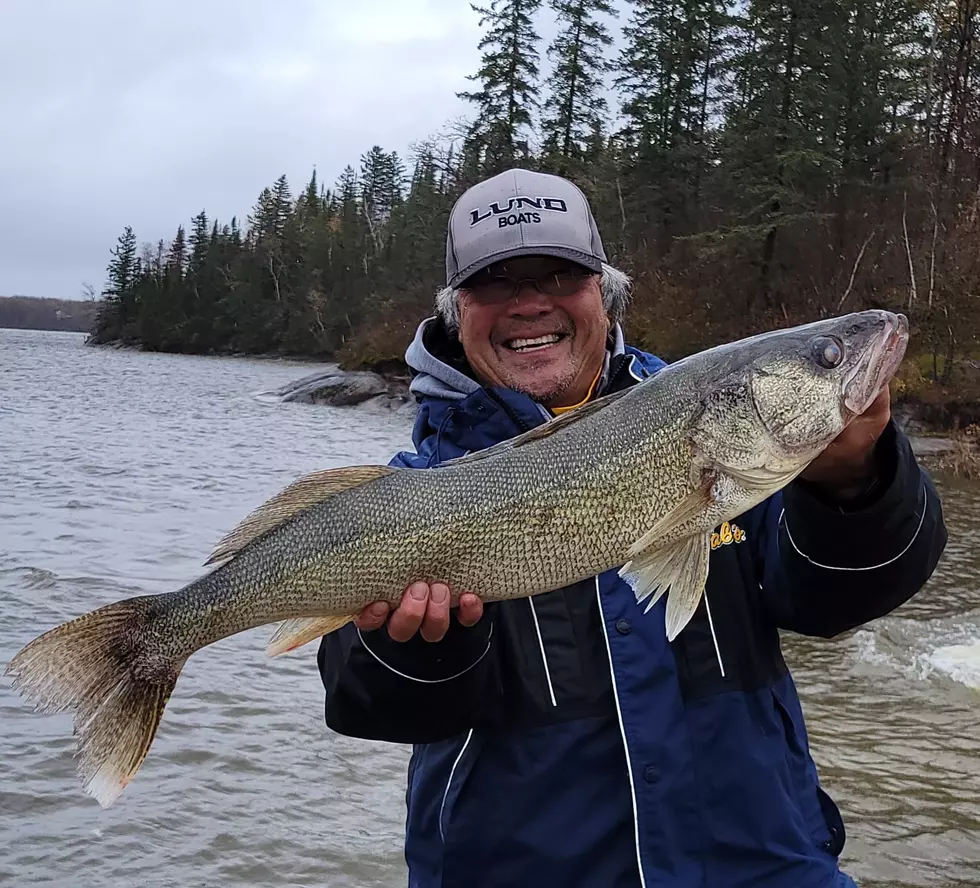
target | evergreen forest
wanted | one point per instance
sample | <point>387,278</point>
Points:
<point>751,165</point>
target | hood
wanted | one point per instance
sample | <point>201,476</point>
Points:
<point>440,368</point>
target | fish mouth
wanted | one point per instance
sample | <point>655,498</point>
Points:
<point>873,374</point>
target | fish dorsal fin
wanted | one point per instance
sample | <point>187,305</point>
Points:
<point>302,494</point>
<point>545,430</point>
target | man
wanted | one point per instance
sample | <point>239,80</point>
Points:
<point>561,740</point>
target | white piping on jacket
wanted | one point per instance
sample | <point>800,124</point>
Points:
<point>622,729</point>
<point>922,518</point>
<point>427,680</point>
<point>544,658</point>
<point>449,782</point>
<point>630,368</point>
<point>714,638</point>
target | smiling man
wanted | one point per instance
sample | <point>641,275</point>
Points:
<point>562,740</point>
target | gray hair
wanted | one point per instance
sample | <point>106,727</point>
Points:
<point>615,286</point>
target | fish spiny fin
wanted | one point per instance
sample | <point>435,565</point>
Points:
<point>302,494</point>
<point>95,667</point>
<point>293,634</point>
<point>681,567</point>
<point>545,430</point>
<point>690,507</point>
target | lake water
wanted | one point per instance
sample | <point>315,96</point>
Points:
<point>120,470</point>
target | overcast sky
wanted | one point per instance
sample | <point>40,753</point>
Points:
<point>121,112</point>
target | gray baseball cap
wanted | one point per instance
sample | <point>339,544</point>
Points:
<point>520,213</point>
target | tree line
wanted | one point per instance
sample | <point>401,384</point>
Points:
<point>750,164</point>
<point>30,313</point>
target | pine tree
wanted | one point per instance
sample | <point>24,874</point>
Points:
<point>508,75</point>
<point>576,108</point>
<point>200,240</point>
<point>177,258</point>
<point>122,267</point>
<point>954,104</point>
<point>670,72</point>
<point>118,307</point>
<point>382,181</point>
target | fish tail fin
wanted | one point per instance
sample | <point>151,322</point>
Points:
<point>293,634</point>
<point>96,667</point>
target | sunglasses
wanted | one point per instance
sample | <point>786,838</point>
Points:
<point>498,288</point>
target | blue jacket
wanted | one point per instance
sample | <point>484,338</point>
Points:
<point>562,742</point>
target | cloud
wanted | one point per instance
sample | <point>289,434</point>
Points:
<point>118,113</point>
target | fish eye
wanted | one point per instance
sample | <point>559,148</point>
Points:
<point>828,352</point>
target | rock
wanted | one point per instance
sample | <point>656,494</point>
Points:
<point>340,388</point>
<point>931,446</point>
<point>915,416</point>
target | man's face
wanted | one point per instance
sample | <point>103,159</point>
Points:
<point>548,345</point>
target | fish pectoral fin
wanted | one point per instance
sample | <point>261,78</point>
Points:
<point>694,504</point>
<point>294,634</point>
<point>302,494</point>
<point>681,567</point>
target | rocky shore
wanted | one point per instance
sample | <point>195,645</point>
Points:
<point>932,427</point>
<point>346,388</point>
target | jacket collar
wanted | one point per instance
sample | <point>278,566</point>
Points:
<point>454,406</point>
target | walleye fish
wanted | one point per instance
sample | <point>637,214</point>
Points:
<point>636,480</point>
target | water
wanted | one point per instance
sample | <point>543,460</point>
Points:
<point>120,471</point>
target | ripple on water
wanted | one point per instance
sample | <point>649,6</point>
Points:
<point>244,785</point>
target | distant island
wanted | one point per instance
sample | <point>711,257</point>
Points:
<point>30,313</point>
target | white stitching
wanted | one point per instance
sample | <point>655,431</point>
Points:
<point>789,536</point>
<point>449,783</point>
<point>622,729</point>
<point>544,659</point>
<point>426,680</point>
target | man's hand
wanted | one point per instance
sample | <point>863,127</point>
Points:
<point>423,608</point>
<point>847,466</point>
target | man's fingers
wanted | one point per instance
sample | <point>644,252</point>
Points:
<point>372,617</point>
<point>470,609</point>
<point>408,616</point>
<point>424,610</point>
<point>436,620</point>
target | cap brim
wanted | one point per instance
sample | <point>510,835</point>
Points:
<point>593,263</point>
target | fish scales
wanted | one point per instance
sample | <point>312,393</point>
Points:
<point>535,519</point>
<point>635,480</point>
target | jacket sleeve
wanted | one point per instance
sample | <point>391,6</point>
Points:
<point>406,692</point>
<point>826,569</point>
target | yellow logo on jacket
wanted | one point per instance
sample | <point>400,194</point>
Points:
<point>727,534</point>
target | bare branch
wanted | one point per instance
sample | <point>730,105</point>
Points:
<point>275,277</point>
<point>932,257</point>
<point>908,252</point>
<point>854,270</point>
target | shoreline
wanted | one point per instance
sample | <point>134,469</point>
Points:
<point>933,426</point>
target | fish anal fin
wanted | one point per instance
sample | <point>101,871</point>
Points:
<point>679,569</point>
<point>293,634</point>
<point>302,494</point>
